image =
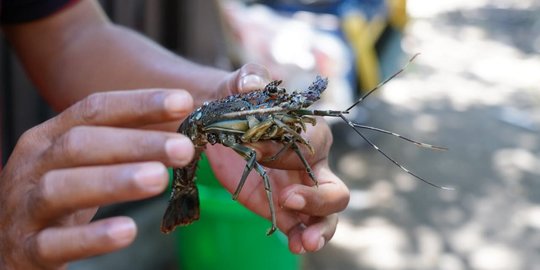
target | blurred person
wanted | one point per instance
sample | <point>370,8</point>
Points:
<point>107,145</point>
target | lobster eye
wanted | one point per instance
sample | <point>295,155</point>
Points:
<point>197,115</point>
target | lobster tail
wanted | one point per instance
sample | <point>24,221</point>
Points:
<point>183,208</point>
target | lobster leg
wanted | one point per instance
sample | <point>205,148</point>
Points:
<point>286,145</point>
<point>306,164</point>
<point>266,182</point>
<point>294,134</point>
<point>295,137</point>
<point>292,144</point>
<point>257,131</point>
<point>250,156</point>
<point>254,133</point>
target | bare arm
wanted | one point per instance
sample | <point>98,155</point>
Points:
<point>81,52</point>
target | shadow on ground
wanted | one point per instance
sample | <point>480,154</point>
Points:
<point>473,90</point>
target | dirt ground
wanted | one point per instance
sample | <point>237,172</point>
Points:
<point>475,90</point>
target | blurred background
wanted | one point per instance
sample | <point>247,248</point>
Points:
<point>473,89</point>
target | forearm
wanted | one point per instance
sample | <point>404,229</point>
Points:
<point>82,53</point>
<point>115,58</point>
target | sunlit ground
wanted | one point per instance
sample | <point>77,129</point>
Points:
<point>474,89</point>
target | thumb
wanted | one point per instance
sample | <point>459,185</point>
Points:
<point>248,78</point>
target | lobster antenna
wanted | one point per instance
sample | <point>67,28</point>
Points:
<point>417,143</point>
<point>388,157</point>
<point>382,83</point>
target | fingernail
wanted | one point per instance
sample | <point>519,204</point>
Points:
<point>180,150</point>
<point>179,102</point>
<point>152,176</point>
<point>321,243</point>
<point>250,82</point>
<point>295,202</point>
<point>302,251</point>
<point>123,230</point>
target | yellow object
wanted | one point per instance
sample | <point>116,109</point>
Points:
<point>363,35</point>
<point>397,10</point>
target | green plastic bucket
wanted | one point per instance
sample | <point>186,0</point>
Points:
<point>228,236</point>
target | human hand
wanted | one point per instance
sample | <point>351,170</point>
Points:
<point>90,155</point>
<point>305,213</point>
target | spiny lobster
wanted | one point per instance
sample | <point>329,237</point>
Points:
<point>267,114</point>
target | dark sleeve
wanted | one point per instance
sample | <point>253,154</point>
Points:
<point>19,11</point>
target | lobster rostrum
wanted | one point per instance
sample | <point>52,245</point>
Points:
<point>268,114</point>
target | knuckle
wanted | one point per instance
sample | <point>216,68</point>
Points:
<point>30,134</point>
<point>33,250</point>
<point>91,107</point>
<point>31,140</point>
<point>155,97</point>
<point>84,244</point>
<point>71,143</point>
<point>115,235</point>
<point>42,195</point>
<point>36,248</point>
<point>146,145</point>
<point>139,176</point>
<point>38,254</point>
<point>115,187</point>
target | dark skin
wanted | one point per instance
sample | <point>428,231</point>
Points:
<point>59,173</point>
